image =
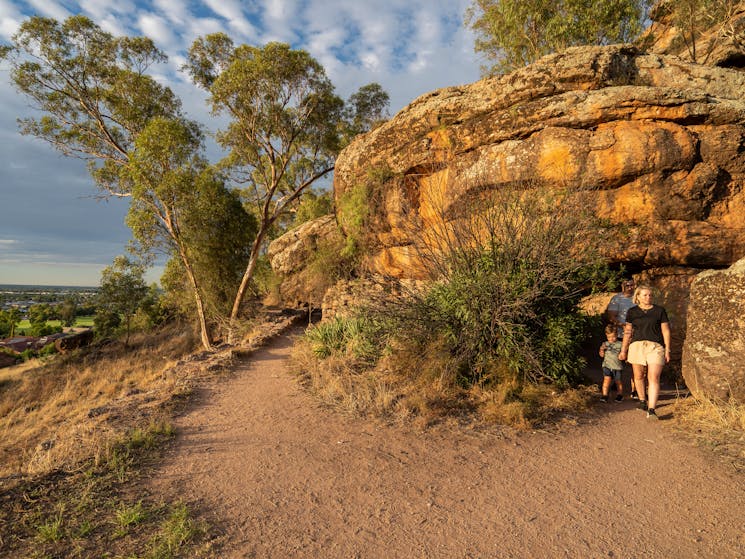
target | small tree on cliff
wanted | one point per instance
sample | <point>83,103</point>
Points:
<point>99,105</point>
<point>695,18</point>
<point>287,125</point>
<point>513,33</point>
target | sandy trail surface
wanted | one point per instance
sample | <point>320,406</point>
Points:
<point>279,476</point>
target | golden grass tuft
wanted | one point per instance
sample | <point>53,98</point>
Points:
<point>422,385</point>
<point>53,413</point>
<point>719,426</point>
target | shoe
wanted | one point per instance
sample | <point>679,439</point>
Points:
<point>604,399</point>
<point>642,405</point>
<point>651,414</point>
<point>634,395</point>
<point>619,398</point>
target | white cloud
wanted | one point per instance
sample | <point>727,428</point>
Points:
<point>200,27</point>
<point>8,26</point>
<point>157,29</point>
<point>104,9</point>
<point>410,47</point>
<point>50,9</point>
<point>111,24</point>
<point>232,11</point>
<point>175,10</point>
<point>282,20</point>
<point>10,19</point>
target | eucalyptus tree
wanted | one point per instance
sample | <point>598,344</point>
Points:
<point>286,125</point>
<point>122,290</point>
<point>513,33</point>
<point>98,103</point>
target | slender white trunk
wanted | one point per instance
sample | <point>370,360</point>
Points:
<point>247,275</point>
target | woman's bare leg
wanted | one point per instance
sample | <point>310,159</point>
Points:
<point>653,375</point>
<point>639,380</point>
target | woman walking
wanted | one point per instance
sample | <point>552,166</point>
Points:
<point>646,343</point>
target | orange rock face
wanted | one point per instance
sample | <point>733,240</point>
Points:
<point>658,144</point>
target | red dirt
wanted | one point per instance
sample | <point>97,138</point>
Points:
<point>283,477</point>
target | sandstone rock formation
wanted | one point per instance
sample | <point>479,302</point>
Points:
<point>660,143</point>
<point>291,255</point>
<point>714,349</point>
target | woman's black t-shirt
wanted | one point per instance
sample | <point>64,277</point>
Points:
<point>647,323</point>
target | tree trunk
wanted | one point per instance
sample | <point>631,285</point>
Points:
<point>203,330</point>
<point>247,275</point>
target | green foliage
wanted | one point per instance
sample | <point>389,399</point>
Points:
<point>287,124</point>
<point>91,87</point>
<point>365,110</point>
<point>355,210</point>
<point>362,338</point>
<point>9,320</point>
<point>513,33</point>
<point>313,205</point>
<point>509,280</point>
<point>67,311</point>
<point>177,530</point>
<point>47,350</point>
<point>53,530</point>
<point>126,516</point>
<point>121,292</point>
<point>99,104</point>
<point>353,214</point>
<point>106,322</point>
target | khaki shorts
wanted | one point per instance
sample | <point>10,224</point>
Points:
<point>646,353</point>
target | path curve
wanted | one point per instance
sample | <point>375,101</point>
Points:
<point>283,477</point>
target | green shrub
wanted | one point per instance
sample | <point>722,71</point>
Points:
<point>49,349</point>
<point>361,338</point>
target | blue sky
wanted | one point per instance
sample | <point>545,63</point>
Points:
<point>55,229</point>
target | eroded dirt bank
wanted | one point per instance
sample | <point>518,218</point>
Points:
<point>283,478</point>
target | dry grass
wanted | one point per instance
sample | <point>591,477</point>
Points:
<point>90,426</point>
<point>719,426</point>
<point>52,414</point>
<point>421,386</point>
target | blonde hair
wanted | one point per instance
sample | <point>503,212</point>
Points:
<point>639,289</point>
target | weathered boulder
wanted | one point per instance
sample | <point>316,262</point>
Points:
<point>659,144</point>
<point>714,349</point>
<point>74,341</point>
<point>294,258</point>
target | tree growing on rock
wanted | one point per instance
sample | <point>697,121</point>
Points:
<point>286,127</point>
<point>696,18</point>
<point>513,33</point>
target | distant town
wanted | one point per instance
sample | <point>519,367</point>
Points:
<point>36,320</point>
<point>22,297</point>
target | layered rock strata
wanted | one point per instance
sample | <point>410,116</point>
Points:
<point>658,143</point>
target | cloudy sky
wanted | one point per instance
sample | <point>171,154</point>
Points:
<point>55,230</point>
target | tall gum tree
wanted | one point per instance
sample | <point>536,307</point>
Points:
<point>287,125</point>
<point>97,100</point>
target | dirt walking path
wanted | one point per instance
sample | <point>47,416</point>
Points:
<point>284,478</point>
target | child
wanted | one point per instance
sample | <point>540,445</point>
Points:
<point>612,366</point>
